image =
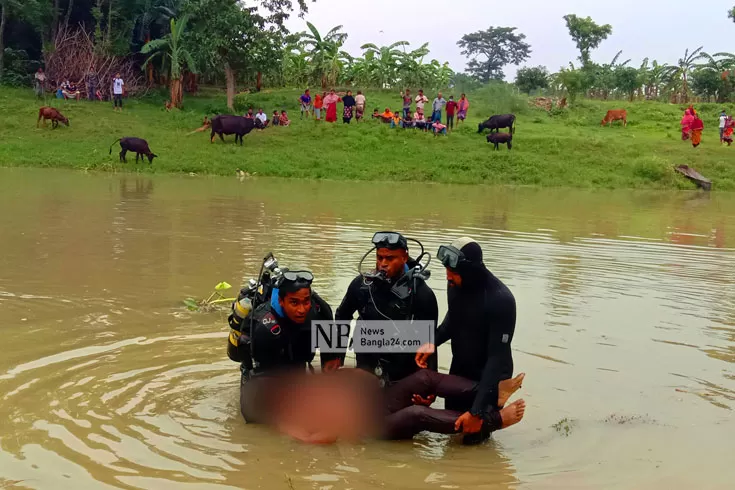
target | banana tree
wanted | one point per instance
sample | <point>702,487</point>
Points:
<point>175,57</point>
<point>387,61</point>
<point>325,55</point>
<point>684,67</point>
<point>150,13</point>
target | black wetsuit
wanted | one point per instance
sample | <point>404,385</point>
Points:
<point>278,346</point>
<point>376,302</point>
<point>480,322</point>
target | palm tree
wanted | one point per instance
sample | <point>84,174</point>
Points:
<point>684,67</point>
<point>170,47</point>
<point>325,55</point>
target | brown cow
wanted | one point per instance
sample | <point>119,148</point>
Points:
<point>616,115</point>
<point>47,112</point>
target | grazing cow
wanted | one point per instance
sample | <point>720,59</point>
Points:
<point>495,123</point>
<point>500,138</point>
<point>47,112</point>
<point>237,125</point>
<point>137,145</point>
<point>616,115</point>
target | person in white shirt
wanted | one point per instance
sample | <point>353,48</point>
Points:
<point>117,91</point>
<point>421,99</point>
<point>261,116</point>
<point>723,123</point>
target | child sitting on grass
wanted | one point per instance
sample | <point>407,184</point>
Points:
<point>376,113</point>
<point>276,119</point>
<point>284,119</point>
<point>439,128</point>
<point>395,121</point>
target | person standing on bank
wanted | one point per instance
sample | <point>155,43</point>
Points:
<point>436,107</point>
<point>373,299</point>
<point>92,82</point>
<point>480,322</point>
<point>117,91</point>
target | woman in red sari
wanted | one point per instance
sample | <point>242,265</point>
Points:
<point>330,102</point>
<point>697,126</point>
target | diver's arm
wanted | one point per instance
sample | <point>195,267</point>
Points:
<point>499,353</point>
<point>442,331</point>
<point>426,308</point>
<point>350,302</point>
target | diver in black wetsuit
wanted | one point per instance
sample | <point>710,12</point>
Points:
<point>394,291</point>
<point>280,343</point>
<point>480,323</point>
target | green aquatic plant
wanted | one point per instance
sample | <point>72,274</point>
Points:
<point>564,426</point>
<point>213,301</point>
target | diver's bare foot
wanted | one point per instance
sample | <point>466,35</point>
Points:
<point>513,413</point>
<point>507,387</point>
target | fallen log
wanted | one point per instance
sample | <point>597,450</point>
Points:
<point>691,174</point>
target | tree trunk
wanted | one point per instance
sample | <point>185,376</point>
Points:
<point>685,88</point>
<point>230,77</point>
<point>2,38</point>
<point>149,68</point>
<point>177,97</point>
<point>109,23</point>
<point>55,21</point>
<point>259,82</point>
<point>69,8</point>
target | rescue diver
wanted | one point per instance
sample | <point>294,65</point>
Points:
<point>394,291</point>
<point>480,322</point>
<point>280,343</point>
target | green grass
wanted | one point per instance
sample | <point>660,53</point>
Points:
<point>568,148</point>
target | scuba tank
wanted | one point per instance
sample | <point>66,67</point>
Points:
<point>240,346</point>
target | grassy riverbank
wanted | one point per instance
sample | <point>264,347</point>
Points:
<point>568,148</point>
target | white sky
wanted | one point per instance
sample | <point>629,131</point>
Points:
<point>658,29</point>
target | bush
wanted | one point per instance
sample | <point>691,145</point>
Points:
<point>497,98</point>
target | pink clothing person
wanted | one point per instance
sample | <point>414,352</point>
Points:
<point>463,106</point>
<point>686,123</point>
<point>330,102</point>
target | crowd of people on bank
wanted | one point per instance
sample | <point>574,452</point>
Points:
<point>324,106</point>
<point>69,89</point>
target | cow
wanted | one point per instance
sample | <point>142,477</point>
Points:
<point>497,122</point>
<point>615,115</point>
<point>137,145</point>
<point>500,138</point>
<point>47,112</point>
<point>226,124</point>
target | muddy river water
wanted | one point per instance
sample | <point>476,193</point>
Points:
<point>626,330</point>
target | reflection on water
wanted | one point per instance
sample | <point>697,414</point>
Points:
<point>626,328</point>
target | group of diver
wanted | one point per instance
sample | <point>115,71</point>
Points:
<point>389,395</point>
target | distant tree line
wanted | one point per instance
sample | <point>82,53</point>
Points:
<point>180,42</point>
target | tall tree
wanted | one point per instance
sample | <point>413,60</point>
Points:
<point>493,49</point>
<point>586,34</point>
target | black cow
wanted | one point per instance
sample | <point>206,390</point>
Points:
<point>497,122</point>
<point>137,145</point>
<point>500,138</point>
<point>226,124</point>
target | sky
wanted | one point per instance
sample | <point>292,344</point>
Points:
<point>657,29</point>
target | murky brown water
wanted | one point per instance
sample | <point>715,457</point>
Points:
<point>626,329</point>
